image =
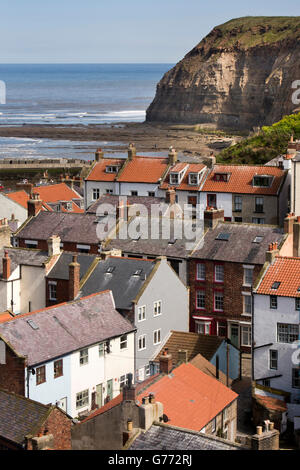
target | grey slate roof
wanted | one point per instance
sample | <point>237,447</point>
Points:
<point>240,246</point>
<point>25,256</point>
<point>20,416</point>
<point>114,200</point>
<point>65,328</point>
<point>76,228</point>
<point>162,437</point>
<point>61,268</point>
<point>159,246</point>
<point>124,285</point>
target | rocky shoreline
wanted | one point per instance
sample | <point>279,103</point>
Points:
<point>147,137</point>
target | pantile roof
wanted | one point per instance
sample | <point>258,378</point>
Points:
<point>143,170</point>
<point>64,328</point>
<point>191,398</point>
<point>242,244</point>
<point>271,403</point>
<point>20,416</point>
<point>164,437</point>
<point>240,179</point>
<point>184,185</point>
<point>21,197</point>
<point>286,272</point>
<point>99,173</point>
<point>4,316</point>
<point>193,343</point>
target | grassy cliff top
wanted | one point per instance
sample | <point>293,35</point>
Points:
<point>251,31</point>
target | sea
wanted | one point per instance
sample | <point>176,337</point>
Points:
<point>72,94</point>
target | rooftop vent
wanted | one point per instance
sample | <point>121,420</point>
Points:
<point>275,285</point>
<point>110,269</point>
<point>258,239</point>
<point>33,325</point>
<point>138,272</point>
<point>223,236</point>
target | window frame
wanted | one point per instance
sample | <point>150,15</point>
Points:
<point>51,285</point>
<point>217,292</point>
<point>157,304</point>
<point>259,206</point>
<point>97,191</point>
<point>142,317</point>
<point>142,338</point>
<point>272,359</point>
<point>248,296</point>
<point>238,205</point>
<point>200,291</point>
<point>273,302</point>
<point>86,397</point>
<point>246,282</point>
<point>288,334</point>
<point>297,300</point>
<point>40,373</point>
<point>249,335</point>
<point>60,368</point>
<point>84,356</point>
<point>203,266</point>
<point>216,266</point>
<point>157,333</point>
<point>123,342</point>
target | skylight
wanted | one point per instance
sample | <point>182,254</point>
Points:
<point>138,272</point>
<point>110,269</point>
<point>33,325</point>
<point>275,285</point>
<point>223,236</point>
<point>258,239</point>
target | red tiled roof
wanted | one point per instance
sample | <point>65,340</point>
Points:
<point>21,197</point>
<point>286,271</point>
<point>4,316</point>
<point>271,403</point>
<point>98,173</point>
<point>111,404</point>
<point>184,185</point>
<point>143,170</point>
<point>191,398</point>
<point>240,180</point>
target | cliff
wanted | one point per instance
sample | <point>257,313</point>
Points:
<point>237,77</point>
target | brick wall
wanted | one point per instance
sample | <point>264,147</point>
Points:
<point>62,291</point>
<point>12,374</point>
<point>230,422</point>
<point>59,426</point>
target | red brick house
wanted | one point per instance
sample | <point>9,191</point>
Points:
<point>221,275</point>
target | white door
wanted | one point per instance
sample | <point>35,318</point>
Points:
<point>142,374</point>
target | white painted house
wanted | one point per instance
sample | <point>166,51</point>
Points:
<point>276,323</point>
<point>77,355</point>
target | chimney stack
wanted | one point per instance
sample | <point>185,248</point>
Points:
<point>34,205</point>
<point>165,362</point>
<point>74,278</point>
<point>129,391</point>
<point>288,223</point>
<point>272,252</point>
<point>171,196</point>
<point>296,237</point>
<point>27,187</point>
<point>172,155</point>
<point>53,245</point>
<point>5,233</point>
<point>211,160</point>
<point>6,262</point>
<point>99,154</point>
<point>131,151</point>
<point>212,217</point>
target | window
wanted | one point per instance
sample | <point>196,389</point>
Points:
<point>123,380</point>
<point>212,200</point>
<point>174,178</point>
<point>82,398</point>
<point>262,181</point>
<point>200,272</point>
<point>225,415</point>
<point>238,219</point>
<point>248,276</point>
<point>52,290</point>
<point>123,342</point>
<point>156,336</point>
<point>142,313</point>
<point>266,382</point>
<point>287,333</point>
<point>96,194</point>
<point>157,308</point>
<point>273,359</point>
<point>31,244</point>
<point>258,220</point>
<point>193,179</point>
<point>147,369</point>
<point>109,191</point>
<point>134,193</point>
<point>101,349</point>
<point>214,425</point>
<point>273,301</point>
<point>218,301</point>
<point>84,356</point>
<point>296,378</point>
<point>200,299</point>
<point>219,273</point>
<point>203,327</point>
<point>246,335</point>
<point>40,375</point>
<point>58,368</point>
<point>142,342</point>
<point>259,204</point>
<point>237,204</point>
<point>297,303</point>
<point>111,169</point>
<point>247,304</point>
<point>151,193</point>
<point>222,329</point>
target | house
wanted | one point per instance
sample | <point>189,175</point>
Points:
<point>276,323</point>
<point>193,400</point>
<point>78,232</point>
<point>222,271</point>
<point>134,176</point>
<point>75,355</point>
<point>149,294</point>
<point>247,193</point>
<point>56,197</point>
<point>29,425</point>
<point>201,350</point>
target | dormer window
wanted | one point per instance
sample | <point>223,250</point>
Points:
<point>176,177</point>
<point>111,169</point>
<point>262,181</point>
<point>194,179</point>
<point>221,177</point>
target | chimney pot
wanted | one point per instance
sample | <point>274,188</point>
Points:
<point>172,156</point>
<point>259,430</point>
<point>131,151</point>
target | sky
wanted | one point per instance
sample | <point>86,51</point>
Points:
<point>117,31</point>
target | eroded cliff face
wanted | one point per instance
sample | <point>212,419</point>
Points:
<point>238,77</point>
